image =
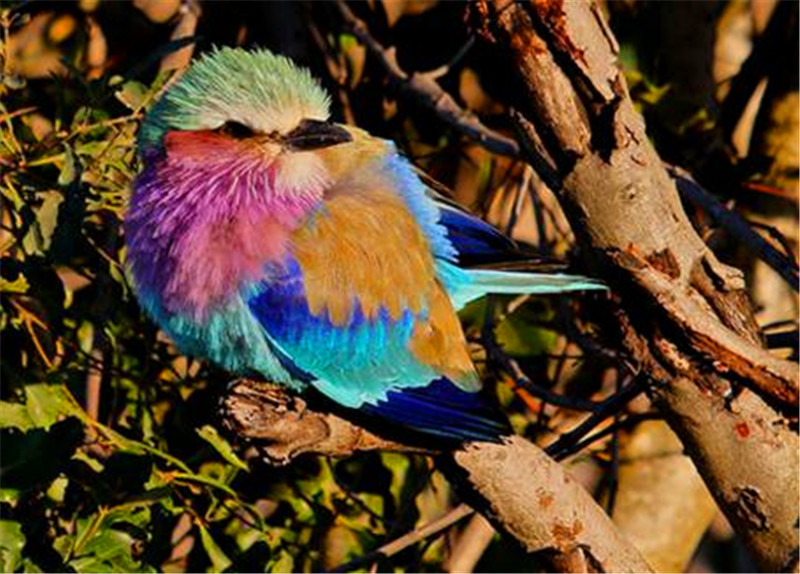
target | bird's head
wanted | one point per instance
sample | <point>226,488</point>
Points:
<point>252,115</point>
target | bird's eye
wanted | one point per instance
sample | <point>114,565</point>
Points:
<point>235,130</point>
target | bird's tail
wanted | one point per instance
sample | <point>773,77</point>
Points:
<point>480,282</point>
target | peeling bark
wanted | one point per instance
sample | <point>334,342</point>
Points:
<point>686,319</point>
<point>280,426</point>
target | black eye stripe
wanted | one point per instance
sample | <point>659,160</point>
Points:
<point>235,130</point>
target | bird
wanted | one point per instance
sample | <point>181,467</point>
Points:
<point>276,243</point>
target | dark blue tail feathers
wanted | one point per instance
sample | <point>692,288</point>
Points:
<point>441,411</point>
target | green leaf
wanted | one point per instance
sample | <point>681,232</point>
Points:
<point>12,540</point>
<point>105,541</point>
<point>399,466</point>
<point>219,560</point>
<point>44,406</point>
<point>92,463</point>
<point>39,237</point>
<point>69,171</point>
<point>9,496</point>
<point>521,339</point>
<point>63,545</point>
<point>222,446</point>
<point>47,217</point>
<point>18,285</point>
<point>30,567</point>
<point>132,94</point>
<point>58,489</point>
<point>284,562</point>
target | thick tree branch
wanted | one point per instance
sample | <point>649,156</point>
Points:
<point>523,491</point>
<point>527,495</point>
<point>281,427</point>
<point>686,318</point>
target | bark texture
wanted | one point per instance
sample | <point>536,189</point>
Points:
<point>685,319</point>
<point>524,493</point>
<point>280,426</point>
<point>528,495</point>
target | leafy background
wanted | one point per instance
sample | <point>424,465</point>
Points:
<point>110,457</point>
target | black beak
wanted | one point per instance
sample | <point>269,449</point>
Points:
<point>314,134</point>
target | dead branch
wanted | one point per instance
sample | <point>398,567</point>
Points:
<point>470,545</point>
<point>686,318</point>
<point>515,484</point>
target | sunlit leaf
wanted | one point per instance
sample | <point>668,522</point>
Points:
<point>12,540</point>
<point>219,560</point>
<point>43,406</point>
<point>132,94</point>
<point>521,339</point>
<point>69,170</point>
<point>18,285</point>
<point>222,446</point>
<point>57,489</point>
<point>282,563</point>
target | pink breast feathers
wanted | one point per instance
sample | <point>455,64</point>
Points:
<point>210,215</point>
<point>215,259</point>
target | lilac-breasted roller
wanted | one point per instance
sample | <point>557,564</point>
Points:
<point>272,241</point>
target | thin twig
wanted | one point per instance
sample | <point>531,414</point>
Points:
<point>418,534</point>
<point>94,379</point>
<point>519,199</point>
<point>496,353</point>
<point>736,225</point>
<point>626,423</point>
<point>564,445</point>
<point>472,542</point>
<point>779,237</point>
<point>423,88</point>
<point>613,475</point>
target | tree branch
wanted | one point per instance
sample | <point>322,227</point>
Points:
<point>281,427</point>
<point>470,545</point>
<point>426,91</point>
<point>686,318</point>
<point>417,535</point>
<point>515,484</point>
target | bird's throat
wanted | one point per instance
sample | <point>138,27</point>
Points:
<point>196,240</point>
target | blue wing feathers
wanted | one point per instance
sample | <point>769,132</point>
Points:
<point>351,364</point>
<point>367,359</point>
<point>476,241</point>
<point>366,364</point>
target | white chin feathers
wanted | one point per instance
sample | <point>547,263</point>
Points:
<point>301,173</point>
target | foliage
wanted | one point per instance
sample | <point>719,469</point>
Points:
<point>111,459</point>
